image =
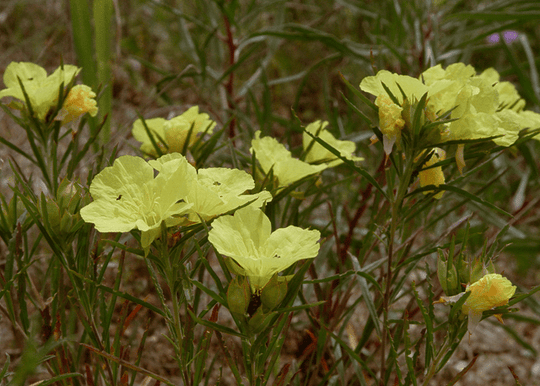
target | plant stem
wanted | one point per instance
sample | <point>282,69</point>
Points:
<point>229,86</point>
<point>435,363</point>
<point>396,207</point>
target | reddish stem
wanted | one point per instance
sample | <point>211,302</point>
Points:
<point>229,86</point>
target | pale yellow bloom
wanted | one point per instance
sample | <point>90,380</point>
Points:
<point>42,90</point>
<point>318,154</point>
<point>247,238</point>
<point>391,121</point>
<point>413,88</point>
<point>272,155</point>
<point>171,135</point>
<point>508,95</point>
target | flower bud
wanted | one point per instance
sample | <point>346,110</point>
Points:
<point>238,295</point>
<point>273,292</point>
<point>448,276</point>
<point>61,213</point>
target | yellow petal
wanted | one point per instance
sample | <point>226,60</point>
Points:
<point>433,176</point>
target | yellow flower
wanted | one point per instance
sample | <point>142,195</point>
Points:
<point>492,290</point>
<point>79,101</point>
<point>248,239</point>
<point>42,90</point>
<point>171,135</point>
<point>390,121</point>
<point>127,196</point>
<point>272,155</point>
<point>476,103</point>
<point>433,176</point>
<point>213,191</point>
<point>317,153</point>
<point>508,95</point>
<point>413,88</point>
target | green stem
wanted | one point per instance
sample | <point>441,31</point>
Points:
<point>435,364</point>
<point>176,327</point>
<point>396,207</point>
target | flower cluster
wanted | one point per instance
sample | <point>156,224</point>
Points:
<point>127,196</point>
<point>43,91</point>
<point>477,107</point>
<point>481,106</point>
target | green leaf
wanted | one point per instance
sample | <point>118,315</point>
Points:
<point>215,326</point>
<point>369,299</point>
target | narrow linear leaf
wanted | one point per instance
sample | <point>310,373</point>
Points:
<point>215,326</point>
<point>370,304</point>
<point>127,364</point>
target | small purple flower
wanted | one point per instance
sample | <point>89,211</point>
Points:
<point>508,36</point>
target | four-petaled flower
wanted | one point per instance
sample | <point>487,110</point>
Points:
<point>247,238</point>
<point>214,191</point>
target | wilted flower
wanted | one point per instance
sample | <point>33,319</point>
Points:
<point>171,135</point>
<point>248,239</point>
<point>79,101</point>
<point>272,155</point>
<point>492,290</point>
<point>42,90</point>
<point>433,175</point>
<point>127,196</point>
<point>317,153</point>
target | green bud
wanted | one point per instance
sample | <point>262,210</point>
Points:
<point>477,271</point>
<point>448,276</point>
<point>441,272</point>
<point>238,295</point>
<point>61,213</point>
<point>273,292</point>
